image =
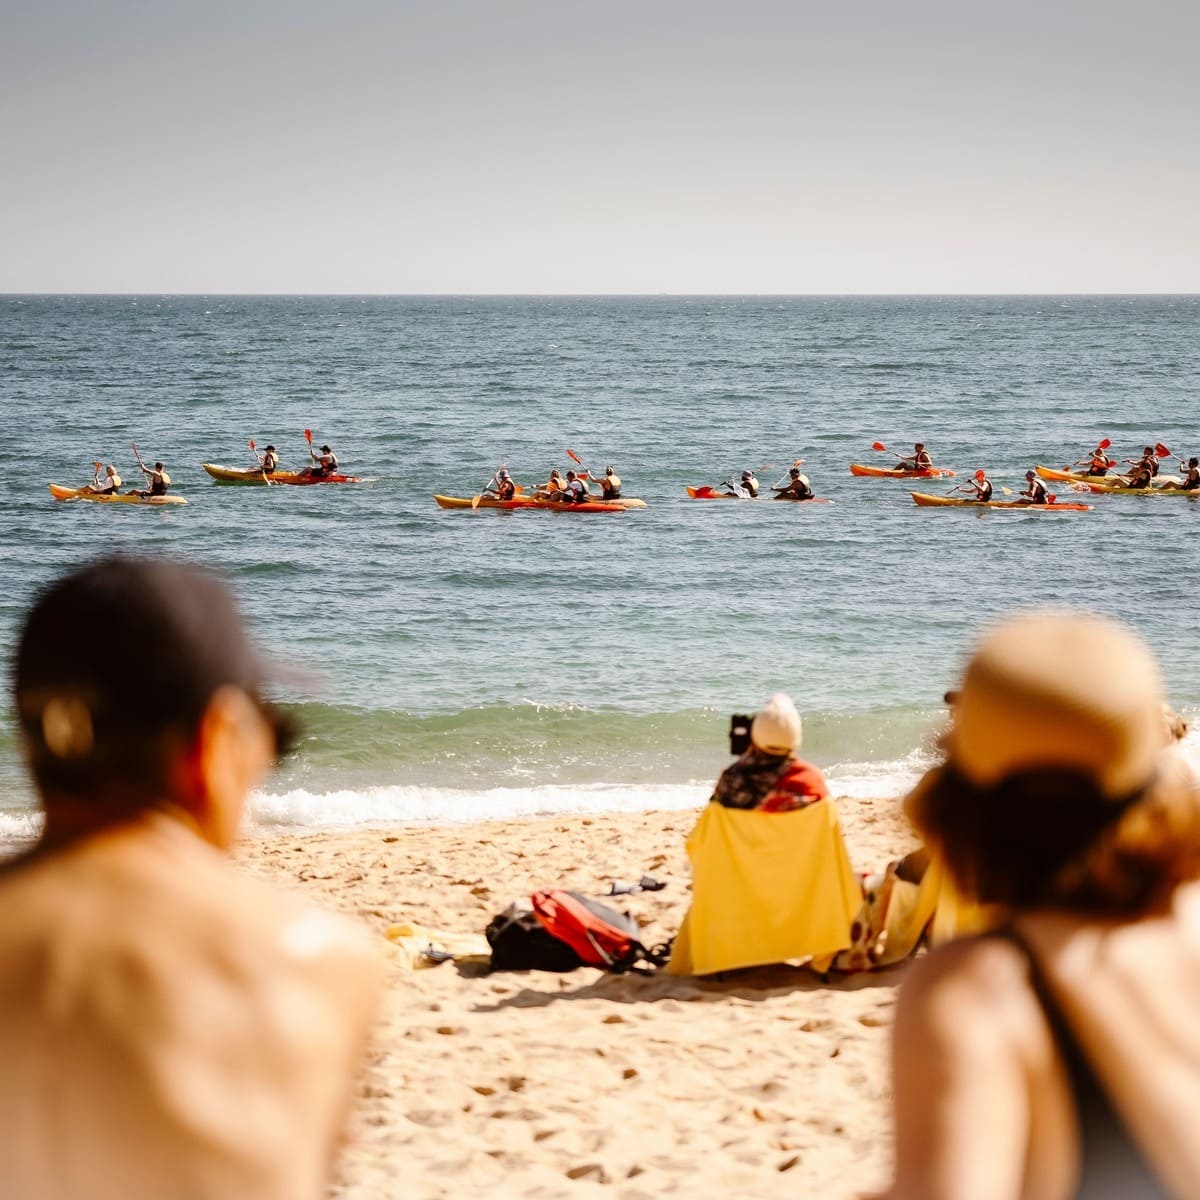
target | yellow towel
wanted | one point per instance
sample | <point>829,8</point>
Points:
<point>411,942</point>
<point>767,887</point>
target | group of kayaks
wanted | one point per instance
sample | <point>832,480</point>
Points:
<point>264,475</point>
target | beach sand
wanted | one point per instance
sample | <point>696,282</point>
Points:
<point>767,1082</point>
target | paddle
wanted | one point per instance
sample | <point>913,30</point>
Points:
<point>787,476</point>
<point>1161,450</point>
<point>263,469</point>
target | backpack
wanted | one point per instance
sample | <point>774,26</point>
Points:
<point>563,931</point>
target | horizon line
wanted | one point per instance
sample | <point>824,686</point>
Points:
<point>611,295</point>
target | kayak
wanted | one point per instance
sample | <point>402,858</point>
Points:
<point>67,493</point>
<point>254,475</point>
<point>924,500</point>
<point>1103,481</point>
<point>709,493</point>
<point>1116,489</point>
<point>894,473</point>
<point>519,503</point>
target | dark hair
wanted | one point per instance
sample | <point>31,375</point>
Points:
<point>175,624</point>
<point>1049,838</point>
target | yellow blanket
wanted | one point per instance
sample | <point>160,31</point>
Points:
<point>767,887</point>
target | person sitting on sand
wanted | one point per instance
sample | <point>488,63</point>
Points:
<point>1034,491</point>
<point>797,487</point>
<point>982,487</point>
<point>160,481</point>
<point>769,777</point>
<point>1097,462</point>
<point>610,485</point>
<point>1054,1057</point>
<point>169,1024</point>
<point>107,483</point>
<point>919,460</point>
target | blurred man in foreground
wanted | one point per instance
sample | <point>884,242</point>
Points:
<point>168,1025</point>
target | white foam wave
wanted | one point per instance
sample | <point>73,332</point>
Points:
<point>18,827</point>
<point>882,780</point>
<point>440,806</point>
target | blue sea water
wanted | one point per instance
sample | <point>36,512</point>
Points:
<point>486,663</point>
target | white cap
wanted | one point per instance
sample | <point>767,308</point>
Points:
<point>776,728</point>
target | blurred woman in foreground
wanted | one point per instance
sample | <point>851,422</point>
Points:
<point>1059,1055</point>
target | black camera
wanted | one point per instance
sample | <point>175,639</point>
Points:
<point>739,733</point>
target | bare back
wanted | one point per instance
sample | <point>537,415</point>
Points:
<point>171,1027</point>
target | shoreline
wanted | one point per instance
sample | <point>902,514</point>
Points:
<point>761,1082</point>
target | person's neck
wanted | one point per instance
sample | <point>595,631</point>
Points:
<point>70,820</point>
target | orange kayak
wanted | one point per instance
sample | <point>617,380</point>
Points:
<point>924,500</point>
<point>896,473</point>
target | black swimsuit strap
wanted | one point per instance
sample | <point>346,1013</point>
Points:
<point>1111,1165</point>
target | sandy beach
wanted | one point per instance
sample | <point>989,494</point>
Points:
<point>765,1082</point>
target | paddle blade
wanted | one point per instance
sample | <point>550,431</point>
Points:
<point>475,501</point>
<point>252,444</point>
<point>1161,450</point>
<point>308,436</point>
<point>878,446</point>
<point>1104,445</point>
<point>574,457</point>
<point>1051,498</point>
<point>1007,491</point>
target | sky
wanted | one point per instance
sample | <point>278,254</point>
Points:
<point>503,146</point>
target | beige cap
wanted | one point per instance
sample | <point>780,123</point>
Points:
<point>776,728</point>
<point>1060,689</point>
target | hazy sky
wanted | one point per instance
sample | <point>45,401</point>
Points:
<point>497,146</point>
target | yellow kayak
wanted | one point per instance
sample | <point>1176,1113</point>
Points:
<point>67,493</point>
<point>925,500</point>
<point>254,475</point>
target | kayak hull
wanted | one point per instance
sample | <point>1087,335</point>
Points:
<point>1102,482</point>
<point>924,500</point>
<point>252,475</point>
<point>709,493</point>
<point>863,470</point>
<point>68,493</point>
<point>520,504</point>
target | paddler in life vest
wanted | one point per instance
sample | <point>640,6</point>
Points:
<point>769,777</point>
<point>919,460</point>
<point>1097,462</point>
<point>747,489</point>
<point>505,488</point>
<point>1142,475</point>
<point>1034,491</point>
<point>1191,481</point>
<point>610,485</point>
<point>982,487</point>
<point>160,481</point>
<point>797,488</point>
<point>107,483</point>
<point>324,464</point>
<point>553,489</point>
<point>270,461</point>
<point>577,489</point>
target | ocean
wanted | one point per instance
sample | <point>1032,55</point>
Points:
<point>471,665</point>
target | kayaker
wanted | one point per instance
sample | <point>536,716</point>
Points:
<point>797,487</point>
<point>505,488</point>
<point>1146,466</point>
<point>160,481</point>
<point>1141,476</point>
<point>326,462</point>
<point>554,487</point>
<point>1097,462</point>
<point>106,484</point>
<point>610,484</point>
<point>982,486</point>
<point>1034,491</point>
<point>919,460</point>
<point>577,489</point>
<point>747,489</point>
<point>270,461</point>
<point>1191,481</point>
<point>768,776</point>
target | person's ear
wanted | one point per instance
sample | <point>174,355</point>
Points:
<point>233,748</point>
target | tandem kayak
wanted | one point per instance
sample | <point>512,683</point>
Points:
<point>1117,489</point>
<point>1102,481</point>
<point>708,493</point>
<point>521,503</point>
<point>895,473</point>
<point>254,475</point>
<point>67,493</point>
<point>924,500</point>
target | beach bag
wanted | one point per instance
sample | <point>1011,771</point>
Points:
<point>564,930</point>
<point>599,935</point>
